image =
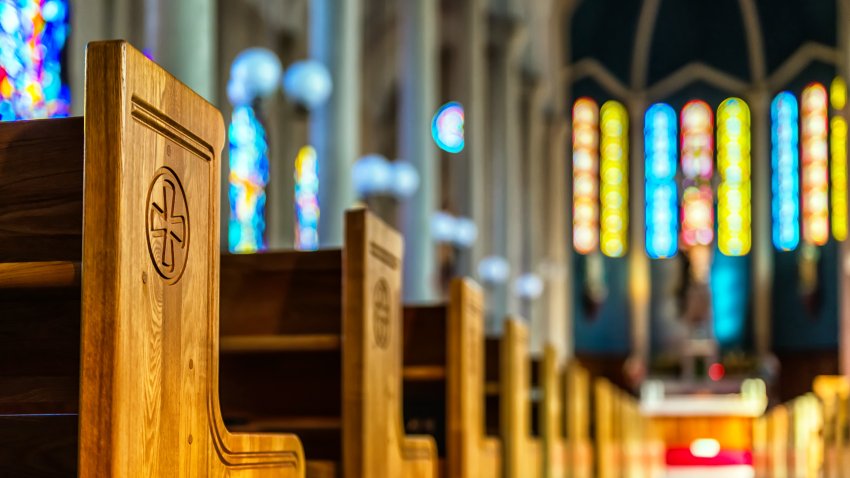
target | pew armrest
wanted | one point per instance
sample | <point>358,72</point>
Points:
<point>419,454</point>
<point>271,450</point>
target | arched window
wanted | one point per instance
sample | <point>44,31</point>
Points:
<point>815,173</point>
<point>614,179</point>
<point>733,161</point>
<point>838,150</point>
<point>33,35</point>
<point>660,172</point>
<point>306,199</point>
<point>585,175</point>
<point>249,174</point>
<point>697,170</point>
<point>785,176</point>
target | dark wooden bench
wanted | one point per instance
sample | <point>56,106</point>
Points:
<point>108,311</point>
<point>311,344</point>
<point>444,381</point>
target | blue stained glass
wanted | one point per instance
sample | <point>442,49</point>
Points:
<point>32,37</point>
<point>785,179</point>
<point>249,174</point>
<point>660,184</point>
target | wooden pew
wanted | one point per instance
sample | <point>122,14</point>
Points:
<point>311,343</point>
<point>577,390</point>
<point>548,380</point>
<point>444,381</point>
<point>508,405</point>
<point>109,322</point>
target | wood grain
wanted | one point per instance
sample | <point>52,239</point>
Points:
<point>444,348</point>
<point>522,454</point>
<point>41,186</point>
<point>19,275</point>
<point>292,298</point>
<point>149,402</point>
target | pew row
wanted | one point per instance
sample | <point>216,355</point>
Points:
<point>548,412</point>
<point>508,401</point>
<point>311,344</point>
<point>444,381</point>
<point>627,443</point>
<point>109,329</point>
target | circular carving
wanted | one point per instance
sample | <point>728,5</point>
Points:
<point>167,222</point>
<point>381,308</point>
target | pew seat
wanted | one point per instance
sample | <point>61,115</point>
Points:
<point>109,325</point>
<point>444,381</point>
<point>311,344</point>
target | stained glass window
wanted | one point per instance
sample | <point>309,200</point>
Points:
<point>697,150</point>
<point>661,191</point>
<point>785,174</point>
<point>815,171</point>
<point>585,175</point>
<point>733,163</point>
<point>249,174</point>
<point>32,37</point>
<point>838,165</point>
<point>614,179</point>
<point>306,199</point>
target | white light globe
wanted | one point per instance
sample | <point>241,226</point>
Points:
<point>443,227</point>
<point>466,232</point>
<point>308,83</point>
<point>528,286</point>
<point>238,94</point>
<point>493,270</point>
<point>405,179</point>
<point>258,70</point>
<point>372,174</point>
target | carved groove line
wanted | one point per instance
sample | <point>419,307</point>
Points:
<point>383,255</point>
<point>148,115</point>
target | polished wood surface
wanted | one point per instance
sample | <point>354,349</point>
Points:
<point>109,341</point>
<point>41,184</point>
<point>552,425</point>
<point>344,402</point>
<point>577,416</point>
<point>447,342</point>
<point>522,454</point>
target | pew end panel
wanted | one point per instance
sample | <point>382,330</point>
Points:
<point>373,433</point>
<point>522,454</point>
<point>552,423</point>
<point>149,358</point>
<point>471,452</point>
<point>577,418</point>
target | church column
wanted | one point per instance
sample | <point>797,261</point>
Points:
<point>418,20</point>
<point>335,40</point>
<point>467,168</point>
<point>185,41</point>
<point>533,175</point>
<point>762,251</point>
<point>640,288</point>
<point>505,150</point>
<point>844,247</point>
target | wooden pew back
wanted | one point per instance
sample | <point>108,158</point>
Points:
<point>552,424</point>
<point>147,295</point>
<point>337,315</point>
<point>522,454</point>
<point>577,382</point>
<point>444,380</point>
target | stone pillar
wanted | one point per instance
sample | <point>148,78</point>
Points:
<point>558,210</point>
<point>533,174</point>
<point>335,40</point>
<point>762,249</point>
<point>418,20</point>
<point>505,150</point>
<point>640,287</point>
<point>185,41</point>
<point>467,167</point>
